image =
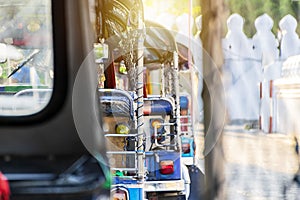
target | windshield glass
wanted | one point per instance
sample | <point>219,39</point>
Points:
<point>26,63</point>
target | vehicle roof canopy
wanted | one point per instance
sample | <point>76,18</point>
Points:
<point>159,44</point>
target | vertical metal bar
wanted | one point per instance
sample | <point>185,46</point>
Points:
<point>140,105</point>
<point>162,87</point>
<point>177,99</point>
<point>271,106</point>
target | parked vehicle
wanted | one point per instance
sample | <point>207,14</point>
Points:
<point>142,114</point>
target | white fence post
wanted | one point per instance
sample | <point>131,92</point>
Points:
<point>240,72</point>
<point>266,48</point>
<point>290,43</point>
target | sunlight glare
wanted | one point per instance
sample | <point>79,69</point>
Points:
<point>165,12</point>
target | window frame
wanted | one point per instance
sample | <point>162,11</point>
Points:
<point>60,81</point>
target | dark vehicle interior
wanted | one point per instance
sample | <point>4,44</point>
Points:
<point>44,155</point>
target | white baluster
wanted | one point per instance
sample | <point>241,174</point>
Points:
<point>290,44</point>
<point>240,81</point>
<point>265,43</point>
<point>266,49</point>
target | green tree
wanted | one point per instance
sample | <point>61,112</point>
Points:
<point>250,10</point>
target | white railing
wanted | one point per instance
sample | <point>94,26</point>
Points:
<point>251,64</point>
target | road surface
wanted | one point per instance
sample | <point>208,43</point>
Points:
<point>258,165</point>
